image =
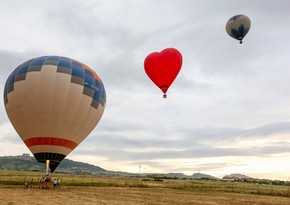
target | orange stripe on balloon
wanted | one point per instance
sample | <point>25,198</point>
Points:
<point>50,141</point>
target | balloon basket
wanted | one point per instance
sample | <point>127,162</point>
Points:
<point>45,182</point>
<point>164,95</point>
<point>45,185</point>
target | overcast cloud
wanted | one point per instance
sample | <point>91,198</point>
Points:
<point>227,111</point>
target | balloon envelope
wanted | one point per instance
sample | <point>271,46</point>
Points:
<point>238,26</point>
<point>53,103</point>
<point>163,67</point>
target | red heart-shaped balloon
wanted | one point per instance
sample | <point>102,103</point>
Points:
<point>163,67</point>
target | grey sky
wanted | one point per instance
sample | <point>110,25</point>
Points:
<point>230,102</point>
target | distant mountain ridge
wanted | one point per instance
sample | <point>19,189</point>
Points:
<point>26,162</point>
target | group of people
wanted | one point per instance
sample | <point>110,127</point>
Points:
<point>44,183</point>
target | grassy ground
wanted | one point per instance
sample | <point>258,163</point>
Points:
<point>76,189</point>
<point>16,195</point>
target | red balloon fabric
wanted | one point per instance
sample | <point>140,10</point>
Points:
<point>163,67</point>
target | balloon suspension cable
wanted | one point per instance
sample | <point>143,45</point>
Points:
<point>164,95</point>
<point>47,166</point>
<point>240,38</point>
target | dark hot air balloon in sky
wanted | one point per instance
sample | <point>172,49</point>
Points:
<point>238,26</point>
<point>163,67</point>
<point>53,103</point>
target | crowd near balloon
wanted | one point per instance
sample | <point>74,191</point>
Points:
<point>54,102</point>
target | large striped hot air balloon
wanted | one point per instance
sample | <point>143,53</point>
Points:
<point>54,103</point>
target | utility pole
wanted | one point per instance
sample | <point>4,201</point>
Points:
<point>140,169</point>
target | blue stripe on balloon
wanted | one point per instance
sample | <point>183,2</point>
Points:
<point>65,62</point>
<point>103,95</point>
<point>24,67</point>
<point>55,58</point>
<point>38,61</point>
<point>98,91</point>
<point>11,78</point>
<point>5,89</point>
<point>78,70</point>
<point>89,80</point>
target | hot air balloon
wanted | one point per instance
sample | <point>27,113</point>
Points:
<point>163,67</point>
<point>238,26</point>
<point>53,103</point>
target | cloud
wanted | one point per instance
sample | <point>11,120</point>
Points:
<point>229,100</point>
<point>196,143</point>
<point>9,61</point>
<point>197,151</point>
<point>8,134</point>
<point>238,133</point>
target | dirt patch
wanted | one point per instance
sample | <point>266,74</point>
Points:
<point>17,195</point>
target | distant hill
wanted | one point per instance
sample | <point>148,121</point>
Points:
<point>203,176</point>
<point>236,176</point>
<point>70,166</point>
<point>20,163</point>
<point>175,175</point>
<point>28,163</point>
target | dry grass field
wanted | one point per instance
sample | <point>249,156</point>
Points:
<point>70,195</point>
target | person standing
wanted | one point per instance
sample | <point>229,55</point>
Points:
<point>58,183</point>
<point>54,183</point>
